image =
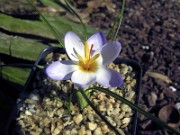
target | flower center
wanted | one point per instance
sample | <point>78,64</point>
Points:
<point>87,63</point>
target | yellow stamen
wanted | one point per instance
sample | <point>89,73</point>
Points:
<point>86,50</point>
<point>87,63</point>
<point>79,57</point>
<point>94,58</point>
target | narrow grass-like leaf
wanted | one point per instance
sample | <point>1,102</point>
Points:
<point>82,102</point>
<point>120,16</point>
<point>117,23</point>
<point>136,108</point>
<point>56,21</point>
<point>48,24</point>
<point>112,29</point>
<point>50,3</point>
<point>74,12</point>
<point>62,5</point>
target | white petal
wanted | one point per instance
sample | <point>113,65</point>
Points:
<point>108,77</point>
<point>73,45</point>
<point>61,70</point>
<point>98,40</point>
<point>109,52</point>
<point>83,79</point>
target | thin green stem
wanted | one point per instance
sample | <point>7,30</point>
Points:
<point>111,30</point>
<point>136,108</point>
<point>120,16</point>
<point>63,5</point>
<point>74,12</point>
<point>48,24</point>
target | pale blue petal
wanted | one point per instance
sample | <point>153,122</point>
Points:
<point>61,70</point>
<point>109,52</point>
<point>108,77</point>
<point>98,40</point>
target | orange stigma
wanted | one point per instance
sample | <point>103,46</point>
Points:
<point>90,51</point>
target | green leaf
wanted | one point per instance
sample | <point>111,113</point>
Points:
<point>82,102</point>
<point>56,22</point>
<point>15,74</point>
<point>24,26</point>
<point>20,47</point>
<point>39,28</point>
<point>50,3</point>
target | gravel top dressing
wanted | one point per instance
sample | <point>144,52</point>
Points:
<point>48,109</point>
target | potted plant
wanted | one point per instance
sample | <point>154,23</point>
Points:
<point>74,96</point>
<point>59,107</point>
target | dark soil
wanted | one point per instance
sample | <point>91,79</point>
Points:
<point>150,35</point>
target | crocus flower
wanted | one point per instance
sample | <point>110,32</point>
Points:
<point>88,62</point>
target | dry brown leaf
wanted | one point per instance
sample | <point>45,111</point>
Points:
<point>94,4</point>
<point>159,76</point>
<point>170,114</point>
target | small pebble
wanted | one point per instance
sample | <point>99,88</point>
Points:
<point>173,88</point>
<point>98,131</point>
<point>28,112</point>
<point>126,120</point>
<point>78,118</point>
<point>34,97</point>
<point>91,126</point>
<point>177,105</point>
<point>82,131</point>
<point>57,131</point>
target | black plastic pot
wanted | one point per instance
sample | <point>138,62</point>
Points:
<point>28,88</point>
